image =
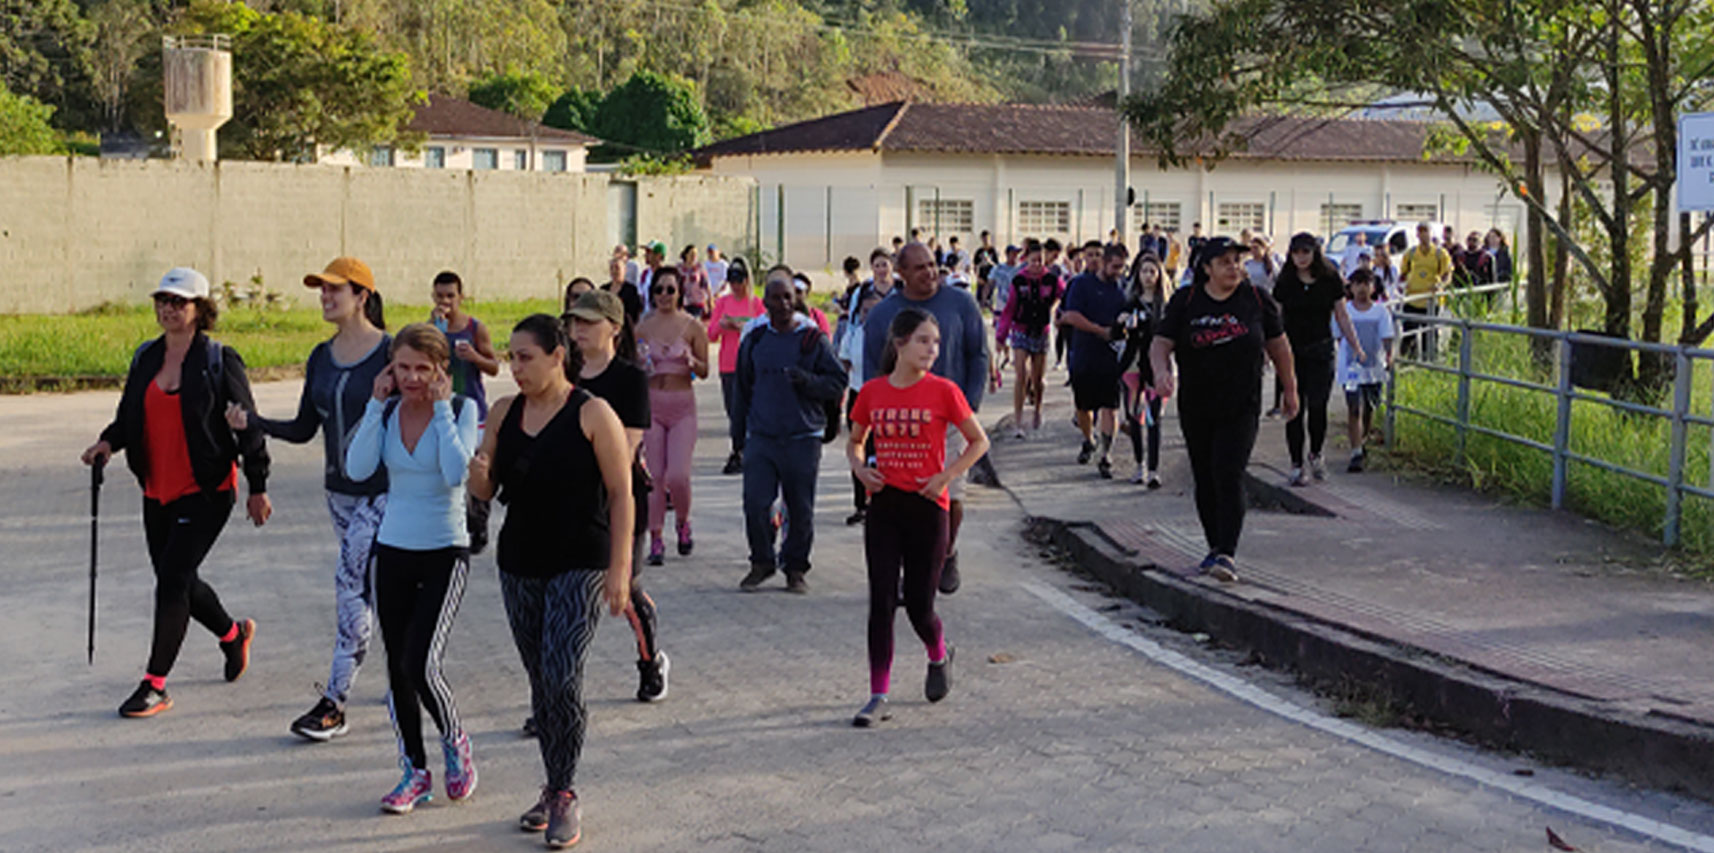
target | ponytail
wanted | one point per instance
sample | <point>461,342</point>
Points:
<point>904,324</point>
<point>374,310</point>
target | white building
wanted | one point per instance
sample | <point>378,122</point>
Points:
<point>845,183</point>
<point>462,135</point>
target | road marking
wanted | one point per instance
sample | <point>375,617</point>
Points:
<point>1247,692</point>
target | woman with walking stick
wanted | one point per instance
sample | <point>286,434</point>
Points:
<point>171,423</point>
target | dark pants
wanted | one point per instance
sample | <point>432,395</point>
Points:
<point>417,594</point>
<point>785,467</point>
<point>1137,431</point>
<point>180,534</point>
<point>1414,346</point>
<point>553,620</point>
<point>729,396</point>
<point>1219,450</point>
<point>859,493</point>
<point>641,613</point>
<point>1314,369</point>
<point>906,535</point>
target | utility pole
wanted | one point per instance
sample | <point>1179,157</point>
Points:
<point>1122,168</point>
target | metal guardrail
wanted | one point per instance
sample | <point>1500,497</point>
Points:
<point>1564,393</point>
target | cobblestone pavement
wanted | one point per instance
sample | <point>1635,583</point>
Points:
<point>1055,738</point>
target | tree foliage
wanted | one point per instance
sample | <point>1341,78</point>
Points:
<point>652,113</point>
<point>525,94</point>
<point>574,110</point>
<point>24,127</point>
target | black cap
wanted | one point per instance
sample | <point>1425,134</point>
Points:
<point>737,270</point>
<point>1214,248</point>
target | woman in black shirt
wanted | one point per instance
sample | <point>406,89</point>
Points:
<point>1311,295</point>
<point>610,372</point>
<point>558,459</point>
<point>1218,329</point>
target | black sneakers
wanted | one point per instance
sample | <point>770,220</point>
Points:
<point>759,572</point>
<point>536,819</point>
<point>322,723</point>
<point>146,702</point>
<point>734,464</point>
<point>949,579</point>
<point>1086,453</point>
<point>939,681</point>
<point>872,712</point>
<point>857,517</point>
<point>795,583</point>
<point>653,677</point>
<point>237,652</point>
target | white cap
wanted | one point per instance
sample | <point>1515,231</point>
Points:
<point>185,282</point>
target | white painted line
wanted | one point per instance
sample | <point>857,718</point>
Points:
<point>1243,690</point>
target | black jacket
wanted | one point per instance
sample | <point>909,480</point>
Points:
<point>212,443</point>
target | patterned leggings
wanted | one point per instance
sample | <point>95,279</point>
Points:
<point>553,620</point>
<point>355,519</point>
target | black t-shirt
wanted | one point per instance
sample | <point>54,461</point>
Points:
<point>1219,347</point>
<point>556,500</point>
<point>630,298</point>
<point>1306,308</point>
<point>625,387</point>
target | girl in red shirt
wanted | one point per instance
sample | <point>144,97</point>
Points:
<point>908,410</point>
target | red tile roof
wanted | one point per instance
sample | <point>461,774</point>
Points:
<point>905,126</point>
<point>444,115</point>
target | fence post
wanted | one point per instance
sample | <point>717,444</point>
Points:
<point>1562,423</point>
<point>1390,428</point>
<point>1465,345</point>
<point>1682,372</point>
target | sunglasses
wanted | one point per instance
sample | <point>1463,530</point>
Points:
<point>663,291</point>
<point>170,300</point>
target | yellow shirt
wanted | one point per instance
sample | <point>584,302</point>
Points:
<point>1423,271</point>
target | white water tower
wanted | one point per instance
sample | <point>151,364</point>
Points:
<point>198,91</point>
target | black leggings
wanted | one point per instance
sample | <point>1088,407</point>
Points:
<point>1219,450</point>
<point>180,534</point>
<point>417,594</point>
<point>1314,369</point>
<point>641,613</point>
<point>906,533</point>
<point>1133,408</point>
<point>552,621</point>
<point>859,493</point>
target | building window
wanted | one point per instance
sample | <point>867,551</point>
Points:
<point>1235,216</point>
<point>434,157</point>
<point>1167,214</point>
<point>1417,212</point>
<point>1337,216</point>
<point>485,158</point>
<point>1042,219</point>
<point>945,217</point>
<point>521,160</point>
<point>381,155</point>
<point>553,161</point>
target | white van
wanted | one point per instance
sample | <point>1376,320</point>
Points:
<point>1399,236</point>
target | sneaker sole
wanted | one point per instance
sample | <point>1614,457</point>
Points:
<point>322,736</point>
<point>407,808</point>
<point>561,845</point>
<point>159,707</point>
<point>246,638</point>
<point>532,827</point>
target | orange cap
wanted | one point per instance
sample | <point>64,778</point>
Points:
<point>343,270</point>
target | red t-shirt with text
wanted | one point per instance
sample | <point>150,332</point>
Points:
<point>909,428</point>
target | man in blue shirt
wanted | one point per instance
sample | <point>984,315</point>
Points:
<point>963,359</point>
<point>787,373</point>
<point>1093,303</point>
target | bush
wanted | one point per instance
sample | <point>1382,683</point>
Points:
<point>24,127</point>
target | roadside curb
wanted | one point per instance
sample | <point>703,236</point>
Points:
<point>1643,747</point>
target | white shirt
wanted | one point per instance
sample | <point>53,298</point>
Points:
<point>716,273</point>
<point>1374,327</point>
<point>1349,261</point>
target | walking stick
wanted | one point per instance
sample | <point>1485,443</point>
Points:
<point>94,523</point>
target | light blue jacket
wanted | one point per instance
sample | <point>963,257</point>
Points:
<point>425,487</point>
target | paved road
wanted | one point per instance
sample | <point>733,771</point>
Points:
<point>1075,742</point>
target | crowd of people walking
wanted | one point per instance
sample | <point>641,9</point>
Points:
<point>596,448</point>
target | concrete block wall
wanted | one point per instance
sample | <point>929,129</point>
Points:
<point>77,232</point>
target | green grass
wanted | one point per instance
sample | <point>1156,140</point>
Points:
<point>1638,442</point>
<point>69,350</point>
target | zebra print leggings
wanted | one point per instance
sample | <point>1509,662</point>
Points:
<point>553,620</point>
<point>417,594</point>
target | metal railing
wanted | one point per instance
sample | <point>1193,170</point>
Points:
<point>1564,393</point>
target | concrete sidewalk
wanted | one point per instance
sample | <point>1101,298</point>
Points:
<point>1537,597</point>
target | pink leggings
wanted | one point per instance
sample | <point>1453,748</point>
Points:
<point>668,447</point>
